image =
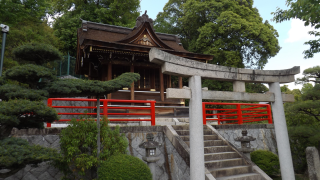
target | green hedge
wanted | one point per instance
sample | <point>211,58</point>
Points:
<point>124,167</point>
<point>267,161</point>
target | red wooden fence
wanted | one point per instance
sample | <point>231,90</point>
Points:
<point>150,106</point>
<point>231,113</point>
<point>236,113</point>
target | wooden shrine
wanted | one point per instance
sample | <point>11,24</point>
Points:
<point>105,51</point>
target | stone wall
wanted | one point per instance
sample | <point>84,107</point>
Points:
<point>170,166</point>
<point>264,134</point>
<point>71,110</point>
<point>45,138</point>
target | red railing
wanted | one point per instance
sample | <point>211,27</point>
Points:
<point>149,106</point>
<point>236,113</point>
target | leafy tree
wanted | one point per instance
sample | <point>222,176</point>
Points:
<point>310,75</point>
<point>28,23</point>
<point>303,119</point>
<point>115,12</point>
<point>232,31</point>
<point>78,142</point>
<point>307,11</point>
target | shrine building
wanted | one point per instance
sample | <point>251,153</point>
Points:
<point>106,51</point>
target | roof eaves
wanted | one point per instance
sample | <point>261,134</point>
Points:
<point>84,21</point>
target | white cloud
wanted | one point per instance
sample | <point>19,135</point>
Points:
<point>299,32</point>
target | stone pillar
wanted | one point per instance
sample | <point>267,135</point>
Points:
<point>313,161</point>
<point>197,170</point>
<point>151,162</point>
<point>239,86</point>
<point>280,126</point>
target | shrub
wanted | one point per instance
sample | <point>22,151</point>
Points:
<point>124,167</point>
<point>267,161</point>
<point>79,147</point>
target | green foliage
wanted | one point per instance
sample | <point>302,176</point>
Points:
<point>267,161</point>
<point>78,144</point>
<point>123,166</point>
<point>27,22</point>
<point>15,153</point>
<point>80,87</point>
<point>256,88</point>
<point>23,113</point>
<point>14,11</point>
<point>29,74</point>
<point>307,11</point>
<point>232,31</point>
<point>121,13</point>
<point>12,91</point>
<point>38,53</point>
<point>310,75</point>
<point>31,153</point>
<point>217,85</point>
<point>303,118</point>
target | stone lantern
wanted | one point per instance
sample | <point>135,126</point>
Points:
<point>245,143</point>
<point>151,154</point>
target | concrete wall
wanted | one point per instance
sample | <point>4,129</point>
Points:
<point>264,134</point>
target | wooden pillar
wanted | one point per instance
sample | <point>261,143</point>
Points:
<point>180,82</point>
<point>104,73</point>
<point>132,84</point>
<point>161,85</point>
<point>109,76</point>
<point>169,81</point>
<point>180,87</point>
<point>152,80</point>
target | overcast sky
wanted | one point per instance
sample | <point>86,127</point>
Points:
<point>292,35</point>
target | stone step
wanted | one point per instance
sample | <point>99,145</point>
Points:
<point>221,155</point>
<point>216,149</point>
<point>210,143</point>
<point>224,163</point>
<point>205,137</point>
<point>187,132</point>
<point>185,127</point>
<point>247,176</point>
<point>230,171</point>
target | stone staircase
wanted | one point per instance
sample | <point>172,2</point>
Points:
<point>221,159</point>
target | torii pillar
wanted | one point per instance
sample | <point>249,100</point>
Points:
<point>197,169</point>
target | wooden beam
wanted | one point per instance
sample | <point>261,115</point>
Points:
<point>132,84</point>
<point>109,76</point>
<point>161,85</point>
